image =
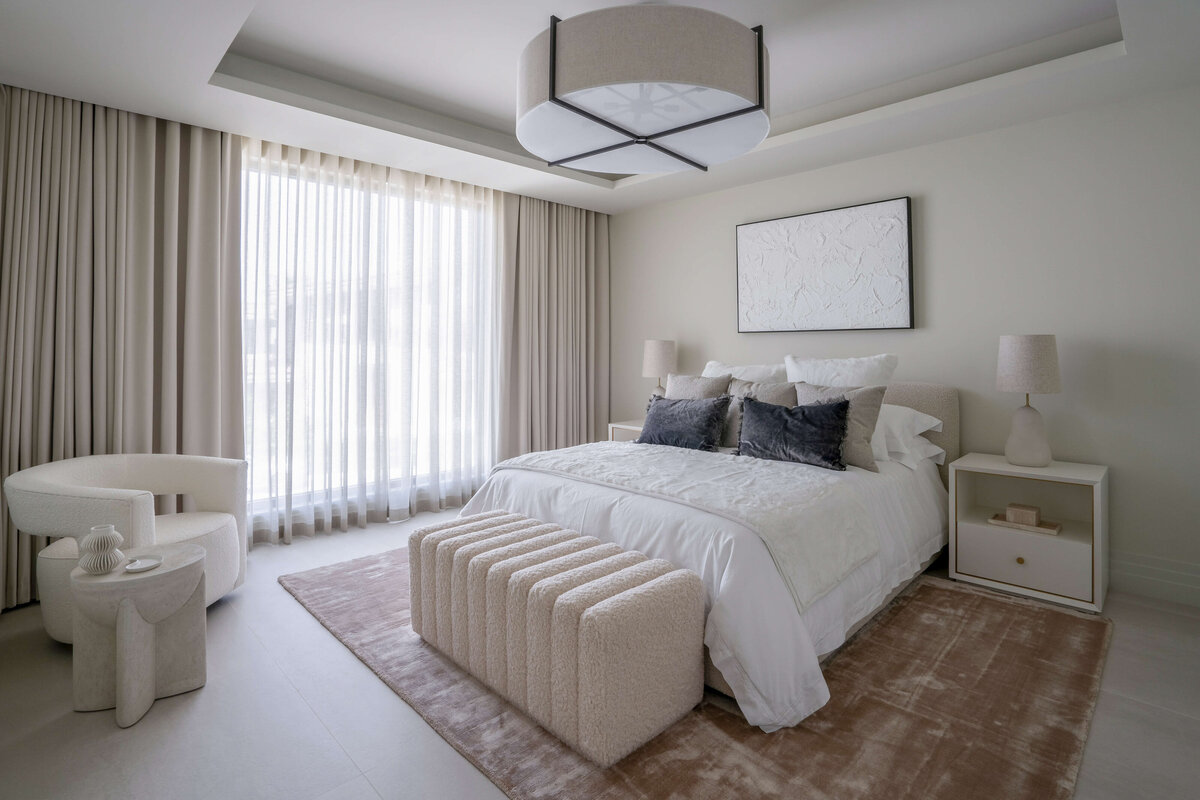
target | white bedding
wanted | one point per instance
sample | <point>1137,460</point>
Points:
<point>764,647</point>
<point>791,508</point>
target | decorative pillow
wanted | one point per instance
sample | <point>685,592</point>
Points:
<point>780,394</point>
<point>860,426</point>
<point>755,373</point>
<point>897,426</point>
<point>867,371</point>
<point>804,434</point>
<point>695,424</point>
<point>696,387</point>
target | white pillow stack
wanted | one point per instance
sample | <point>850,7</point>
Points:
<point>898,436</point>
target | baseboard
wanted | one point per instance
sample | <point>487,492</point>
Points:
<point>1158,578</point>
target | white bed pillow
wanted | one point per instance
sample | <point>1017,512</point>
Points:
<point>896,430</point>
<point>918,449</point>
<point>754,373</point>
<point>865,371</point>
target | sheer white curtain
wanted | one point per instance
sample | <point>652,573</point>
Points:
<point>369,340</point>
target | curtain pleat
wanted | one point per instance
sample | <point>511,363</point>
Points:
<point>120,293</point>
<point>370,371</point>
<point>553,331</point>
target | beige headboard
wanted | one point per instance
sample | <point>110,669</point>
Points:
<point>937,401</point>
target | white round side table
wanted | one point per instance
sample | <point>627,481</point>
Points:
<point>139,636</point>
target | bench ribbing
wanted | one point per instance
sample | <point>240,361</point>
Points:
<point>601,646</point>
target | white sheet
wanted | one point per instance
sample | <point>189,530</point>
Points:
<point>766,650</point>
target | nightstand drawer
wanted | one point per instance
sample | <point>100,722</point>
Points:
<point>1061,566</point>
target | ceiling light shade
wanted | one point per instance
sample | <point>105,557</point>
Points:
<point>643,88</point>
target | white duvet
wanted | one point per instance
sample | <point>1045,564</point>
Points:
<point>791,510</point>
<point>765,646</point>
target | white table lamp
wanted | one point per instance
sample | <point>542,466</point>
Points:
<point>658,360</point>
<point>1028,364</point>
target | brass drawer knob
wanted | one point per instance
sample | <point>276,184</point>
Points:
<point>1020,560</point>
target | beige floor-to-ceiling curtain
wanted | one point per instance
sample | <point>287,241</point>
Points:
<point>119,293</point>
<point>553,321</point>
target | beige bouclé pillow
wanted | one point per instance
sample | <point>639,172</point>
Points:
<point>696,387</point>
<point>865,402</point>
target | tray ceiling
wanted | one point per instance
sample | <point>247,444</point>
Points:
<point>432,86</point>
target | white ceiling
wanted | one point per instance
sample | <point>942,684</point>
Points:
<point>431,86</point>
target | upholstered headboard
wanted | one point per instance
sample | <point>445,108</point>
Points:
<point>937,401</point>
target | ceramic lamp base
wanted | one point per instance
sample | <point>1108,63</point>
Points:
<point>1027,445</point>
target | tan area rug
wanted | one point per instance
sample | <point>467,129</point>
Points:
<point>951,692</point>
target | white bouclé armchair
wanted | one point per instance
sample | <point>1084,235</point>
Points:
<point>66,498</point>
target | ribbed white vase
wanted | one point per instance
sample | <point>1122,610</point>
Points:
<point>99,549</point>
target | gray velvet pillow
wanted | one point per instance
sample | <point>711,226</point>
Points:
<point>780,394</point>
<point>695,387</point>
<point>865,402</point>
<point>694,424</point>
<point>804,434</point>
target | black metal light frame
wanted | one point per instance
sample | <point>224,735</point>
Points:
<point>634,138</point>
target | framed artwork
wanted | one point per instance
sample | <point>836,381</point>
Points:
<point>845,269</point>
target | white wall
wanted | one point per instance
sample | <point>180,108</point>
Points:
<point>1085,225</point>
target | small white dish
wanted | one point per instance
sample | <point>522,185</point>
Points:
<point>143,564</point>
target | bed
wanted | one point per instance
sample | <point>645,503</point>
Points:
<point>765,634</point>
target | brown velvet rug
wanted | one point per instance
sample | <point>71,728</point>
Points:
<point>951,692</point>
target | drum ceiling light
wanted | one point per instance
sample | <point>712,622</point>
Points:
<point>643,88</point>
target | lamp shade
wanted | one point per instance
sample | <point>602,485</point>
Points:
<point>1028,364</point>
<point>643,88</point>
<point>658,358</point>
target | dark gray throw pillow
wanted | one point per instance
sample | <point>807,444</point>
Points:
<point>804,434</point>
<point>695,424</point>
<point>865,402</point>
<point>781,394</point>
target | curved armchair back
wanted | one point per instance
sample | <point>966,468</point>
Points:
<point>68,497</point>
<point>61,499</point>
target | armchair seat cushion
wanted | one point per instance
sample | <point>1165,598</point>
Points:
<point>217,533</point>
<point>214,531</point>
<point>65,549</point>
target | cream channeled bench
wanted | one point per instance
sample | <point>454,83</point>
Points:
<point>601,646</point>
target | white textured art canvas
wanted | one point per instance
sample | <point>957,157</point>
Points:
<point>850,268</point>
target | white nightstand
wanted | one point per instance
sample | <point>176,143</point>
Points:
<point>1069,568</point>
<point>625,431</point>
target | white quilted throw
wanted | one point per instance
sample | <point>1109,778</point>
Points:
<point>810,519</point>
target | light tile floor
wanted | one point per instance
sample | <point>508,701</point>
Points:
<point>288,712</point>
